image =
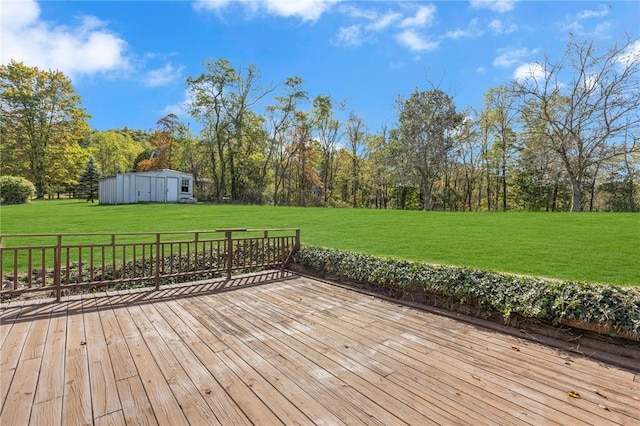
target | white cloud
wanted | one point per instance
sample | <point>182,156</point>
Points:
<point>179,108</point>
<point>406,27</point>
<point>593,13</point>
<point>498,27</point>
<point>630,55</point>
<point>356,12</point>
<point>381,22</point>
<point>350,36</point>
<point>162,76</point>
<point>307,10</point>
<point>510,57</point>
<point>530,71</point>
<point>471,31</point>
<point>599,29</point>
<point>499,6</point>
<point>416,43</point>
<point>423,17</point>
<point>86,48</point>
<point>18,14</point>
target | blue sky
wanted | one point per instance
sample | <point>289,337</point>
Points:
<point>129,60</point>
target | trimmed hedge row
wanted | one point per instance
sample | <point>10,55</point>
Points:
<point>552,301</point>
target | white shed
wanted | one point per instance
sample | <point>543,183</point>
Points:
<point>161,186</point>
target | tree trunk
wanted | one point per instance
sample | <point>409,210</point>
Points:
<point>426,190</point>
<point>576,196</point>
<point>39,191</point>
<point>504,190</point>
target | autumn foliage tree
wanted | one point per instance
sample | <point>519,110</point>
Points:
<point>166,147</point>
<point>41,123</point>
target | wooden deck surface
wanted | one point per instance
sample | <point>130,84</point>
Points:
<point>272,349</point>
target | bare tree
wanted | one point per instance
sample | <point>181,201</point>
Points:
<point>589,102</point>
<point>356,132</point>
<point>281,119</point>
<point>500,117</point>
<point>328,133</point>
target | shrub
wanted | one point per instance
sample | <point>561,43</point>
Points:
<point>15,190</point>
<point>553,301</point>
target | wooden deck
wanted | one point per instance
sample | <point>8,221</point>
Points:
<point>272,349</point>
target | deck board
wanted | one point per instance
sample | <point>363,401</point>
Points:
<point>277,348</point>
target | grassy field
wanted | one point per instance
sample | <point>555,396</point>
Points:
<point>597,247</point>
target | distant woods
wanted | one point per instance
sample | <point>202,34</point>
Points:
<point>563,138</point>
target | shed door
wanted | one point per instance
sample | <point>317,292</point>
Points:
<point>144,188</point>
<point>172,190</point>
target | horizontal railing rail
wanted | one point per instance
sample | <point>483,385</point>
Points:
<point>65,262</point>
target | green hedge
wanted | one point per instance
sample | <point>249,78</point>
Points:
<point>549,300</point>
<point>16,190</point>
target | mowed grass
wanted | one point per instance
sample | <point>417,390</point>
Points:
<point>598,247</point>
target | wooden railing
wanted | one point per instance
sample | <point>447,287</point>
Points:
<point>59,262</point>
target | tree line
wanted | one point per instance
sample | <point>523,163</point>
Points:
<point>564,138</point>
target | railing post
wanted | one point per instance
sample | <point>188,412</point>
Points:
<point>113,256</point>
<point>229,245</point>
<point>297,245</point>
<point>283,252</point>
<point>157,261</point>
<point>195,251</point>
<point>57,265</point>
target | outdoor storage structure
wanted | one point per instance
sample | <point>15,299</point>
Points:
<point>162,186</point>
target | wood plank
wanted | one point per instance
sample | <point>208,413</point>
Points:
<point>347,382</point>
<point>255,362</point>
<point>51,380</point>
<point>17,408</point>
<point>251,405</point>
<point>104,393</point>
<point>76,403</point>
<point>284,409</point>
<point>136,407</point>
<point>290,299</point>
<point>363,340</point>
<point>48,412</point>
<point>10,354</point>
<point>363,347</point>
<point>492,342</point>
<point>363,376</point>
<point>24,379</point>
<point>522,369</point>
<point>165,407</point>
<point>281,376</point>
<point>115,418</point>
<point>121,360</point>
<point>536,355</point>
<point>194,354</point>
<point>290,351</point>
<point>9,313</point>
<point>193,405</point>
<point>474,352</point>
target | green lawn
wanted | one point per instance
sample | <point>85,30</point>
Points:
<point>598,247</point>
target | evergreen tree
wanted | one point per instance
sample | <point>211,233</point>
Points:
<point>88,186</point>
